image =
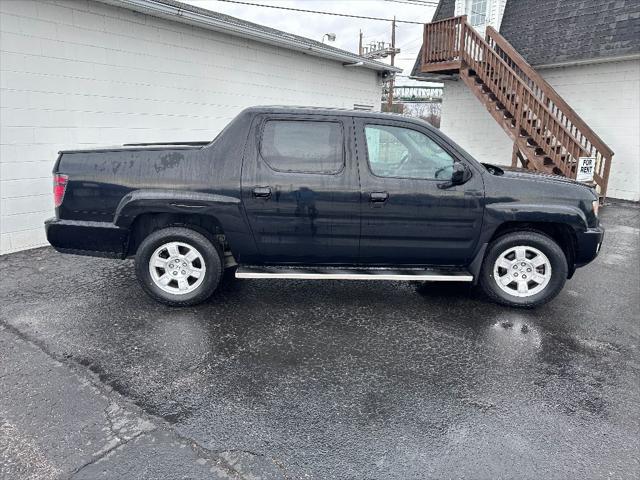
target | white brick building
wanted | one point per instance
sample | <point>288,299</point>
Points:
<point>84,72</point>
<point>588,51</point>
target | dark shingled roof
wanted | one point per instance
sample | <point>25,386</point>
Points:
<point>558,31</point>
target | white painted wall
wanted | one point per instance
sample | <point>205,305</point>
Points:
<point>605,95</point>
<point>468,123</point>
<point>82,73</point>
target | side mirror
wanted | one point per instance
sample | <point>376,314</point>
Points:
<point>461,174</point>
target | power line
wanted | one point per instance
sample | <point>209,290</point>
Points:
<point>319,12</point>
<point>377,33</point>
<point>410,42</point>
<point>414,2</point>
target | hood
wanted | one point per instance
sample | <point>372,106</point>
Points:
<point>524,174</point>
<point>536,176</point>
<point>535,183</point>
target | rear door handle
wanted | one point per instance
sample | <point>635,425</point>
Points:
<point>378,197</point>
<point>262,192</point>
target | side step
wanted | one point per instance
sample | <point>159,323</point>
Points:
<point>352,273</point>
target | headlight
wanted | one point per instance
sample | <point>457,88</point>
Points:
<point>596,207</point>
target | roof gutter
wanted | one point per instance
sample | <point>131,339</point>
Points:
<point>157,9</point>
<point>589,61</point>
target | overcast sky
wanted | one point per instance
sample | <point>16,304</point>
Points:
<point>408,36</point>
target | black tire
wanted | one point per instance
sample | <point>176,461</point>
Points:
<point>210,253</point>
<point>544,244</point>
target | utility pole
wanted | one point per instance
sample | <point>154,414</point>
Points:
<point>360,44</point>
<point>393,57</point>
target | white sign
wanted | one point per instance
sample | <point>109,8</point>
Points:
<point>586,167</point>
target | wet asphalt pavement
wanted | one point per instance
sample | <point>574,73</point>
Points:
<point>303,379</point>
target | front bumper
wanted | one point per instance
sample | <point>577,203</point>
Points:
<point>588,245</point>
<point>96,239</point>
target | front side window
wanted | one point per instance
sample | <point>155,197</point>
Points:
<point>405,153</point>
<point>303,146</point>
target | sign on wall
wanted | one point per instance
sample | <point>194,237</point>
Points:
<point>586,168</point>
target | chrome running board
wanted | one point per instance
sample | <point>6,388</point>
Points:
<point>339,273</point>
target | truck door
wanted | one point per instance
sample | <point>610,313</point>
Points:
<point>300,189</point>
<point>407,215</point>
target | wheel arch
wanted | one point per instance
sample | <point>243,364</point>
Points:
<point>559,221</point>
<point>564,235</point>
<point>216,216</point>
<point>146,223</point>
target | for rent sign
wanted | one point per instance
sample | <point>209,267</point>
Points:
<point>586,167</point>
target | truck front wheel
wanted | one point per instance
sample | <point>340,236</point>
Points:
<point>523,269</point>
<point>178,266</point>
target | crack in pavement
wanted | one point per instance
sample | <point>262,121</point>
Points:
<point>130,422</point>
<point>104,454</point>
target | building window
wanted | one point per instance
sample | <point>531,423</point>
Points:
<point>478,12</point>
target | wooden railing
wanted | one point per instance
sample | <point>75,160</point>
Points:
<point>590,143</point>
<point>443,41</point>
<point>534,105</point>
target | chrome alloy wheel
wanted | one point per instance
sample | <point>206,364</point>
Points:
<point>177,268</point>
<point>522,271</point>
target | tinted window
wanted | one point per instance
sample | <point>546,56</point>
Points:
<point>301,146</point>
<point>402,152</point>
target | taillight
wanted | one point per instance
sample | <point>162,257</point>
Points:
<point>59,187</point>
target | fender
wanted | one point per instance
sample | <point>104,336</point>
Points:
<point>499,213</point>
<point>225,209</point>
<point>496,214</point>
<point>138,202</point>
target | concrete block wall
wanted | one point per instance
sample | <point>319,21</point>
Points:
<point>82,73</point>
<point>466,120</point>
<point>605,95</point>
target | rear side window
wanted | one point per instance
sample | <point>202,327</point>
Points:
<point>303,146</point>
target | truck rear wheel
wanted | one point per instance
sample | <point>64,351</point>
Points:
<point>523,269</point>
<point>178,266</point>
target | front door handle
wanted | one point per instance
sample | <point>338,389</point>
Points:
<point>262,192</point>
<point>378,197</point>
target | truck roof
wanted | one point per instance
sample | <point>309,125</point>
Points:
<point>295,109</point>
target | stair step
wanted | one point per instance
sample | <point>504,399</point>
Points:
<point>354,273</point>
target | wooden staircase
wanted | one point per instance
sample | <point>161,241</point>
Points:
<point>548,135</point>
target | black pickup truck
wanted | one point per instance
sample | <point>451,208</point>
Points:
<point>307,193</point>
